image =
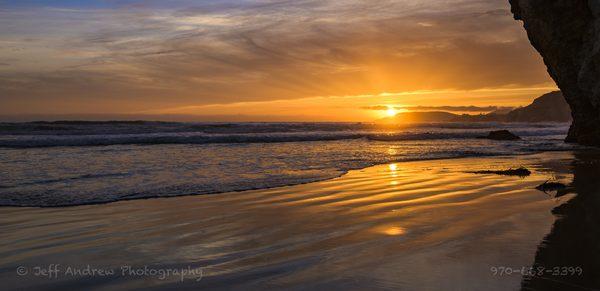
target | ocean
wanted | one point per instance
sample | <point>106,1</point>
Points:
<point>68,163</point>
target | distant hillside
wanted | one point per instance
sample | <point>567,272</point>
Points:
<point>550,107</point>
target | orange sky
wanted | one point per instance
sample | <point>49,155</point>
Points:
<point>277,60</point>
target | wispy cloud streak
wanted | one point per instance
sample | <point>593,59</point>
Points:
<point>144,55</point>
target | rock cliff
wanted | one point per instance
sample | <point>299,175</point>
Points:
<point>567,35</point>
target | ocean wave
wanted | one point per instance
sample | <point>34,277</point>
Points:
<point>41,141</point>
<point>65,179</point>
<point>156,139</point>
<point>420,136</point>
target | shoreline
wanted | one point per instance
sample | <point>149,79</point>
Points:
<point>343,173</point>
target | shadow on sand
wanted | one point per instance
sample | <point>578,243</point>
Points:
<point>574,241</point>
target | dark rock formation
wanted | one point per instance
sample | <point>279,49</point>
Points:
<point>521,172</point>
<point>501,135</point>
<point>567,35</point>
<point>550,186</point>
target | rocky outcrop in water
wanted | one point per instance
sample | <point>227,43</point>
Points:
<point>501,135</point>
<point>567,35</point>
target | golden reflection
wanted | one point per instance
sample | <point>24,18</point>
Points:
<point>393,170</point>
<point>394,231</point>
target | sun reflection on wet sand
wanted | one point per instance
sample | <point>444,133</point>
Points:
<point>451,226</point>
<point>394,231</point>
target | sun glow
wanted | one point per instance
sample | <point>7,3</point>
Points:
<point>391,111</point>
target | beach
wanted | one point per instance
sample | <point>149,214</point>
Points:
<point>426,225</point>
<point>300,145</point>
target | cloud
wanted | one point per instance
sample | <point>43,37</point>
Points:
<point>174,53</point>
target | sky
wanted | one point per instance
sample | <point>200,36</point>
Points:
<point>263,60</point>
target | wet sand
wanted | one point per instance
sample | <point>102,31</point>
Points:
<point>427,225</point>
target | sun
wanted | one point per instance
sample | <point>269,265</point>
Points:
<point>391,111</point>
